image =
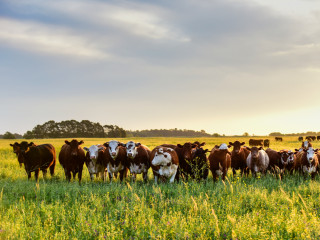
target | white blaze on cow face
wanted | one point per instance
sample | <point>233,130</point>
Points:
<point>93,151</point>
<point>161,157</point>
<point>305,144</point>
<point>113,148</point>
<point>131,148</point>
<point>223,146</point>
<point>310,154</point>
<point>290,157</point>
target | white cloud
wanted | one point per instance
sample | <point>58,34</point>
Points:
<point>43,38</point>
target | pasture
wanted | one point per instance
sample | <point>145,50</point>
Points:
<point>239,208</point>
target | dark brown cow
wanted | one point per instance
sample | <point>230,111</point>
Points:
<point>116,159</point>
<point>257,161</point>
<point>220,161</point>
<point>200,166</point>
<point>266,143</point>
<point>300,139</point>
<point>318,138</point>
<point>287,158</point>
<point>239,158</point>
<point>16,150</point>
<point>311,138</point>
<point>138,159</point>
<point>36,158</point>
<point>164,163</point>
<point>307,162</point>
<point>255,142</point>
<point>278,139</point>
<point>95,161</point>
<point>72,158</point>
<point>274,160</point>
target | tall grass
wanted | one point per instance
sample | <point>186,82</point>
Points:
<point>239,208</point>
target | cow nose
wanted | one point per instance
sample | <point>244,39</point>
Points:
<point>310,159</point>
<point>92,157</point>
<point>129,154</point>
<point>113,153</point>
<point>74,154</point>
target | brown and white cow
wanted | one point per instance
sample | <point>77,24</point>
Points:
<point>287,159</point>
<point>239,156</point>
<point>257,160</point>
<point>138,159</point>
<point>307,162</point>
<point>72,158</point>
<point>36,158</point>
<point>116,159</point>
<point>164,163</point>
<point>220,161</point>
<point>95,161</point>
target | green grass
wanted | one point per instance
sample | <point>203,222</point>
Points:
<point>239,208</point>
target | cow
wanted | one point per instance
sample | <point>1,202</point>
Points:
<point>36,158</point>
<point>72,157</point>
<point>278,139</point>
<point>239,156</point>
<point>307,162</point>
<point>257,160</point>
<point>185,153</point>
<point>274,160</point>
<point>300,139</point>
<point>287,158</point>
<point>220,161</point>
<point>266,143</point>
<point>255,142</point>
<point>16,150</point>
<point>116,159</point>
<point>164,163</point>
<point>95,162</point>
<point>305,145</point>
<point>311,138</point>
<point>138,159</point>
<point>318,138</point>
<point>200,166</point>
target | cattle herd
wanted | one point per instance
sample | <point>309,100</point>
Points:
<point>167,161</point>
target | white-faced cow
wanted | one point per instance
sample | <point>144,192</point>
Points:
<point>95,162</point>
<point>307,162</point>
<point>287,159</point>
<point>72,158</point>
<point>220,161</point>
<point>257,160</point>
<point>164,163</point>
<point>116,159</point>
<point>138,159</point>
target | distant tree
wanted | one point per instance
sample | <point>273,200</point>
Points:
<point>8,135</point>
<point>275,134</point>
<point>245,134</point>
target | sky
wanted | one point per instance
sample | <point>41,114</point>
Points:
<point>224,66</point>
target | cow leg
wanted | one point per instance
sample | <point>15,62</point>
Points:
<point>29,175</point>
<point>155,178</point>
<point>92,176</point>
<point>36,174</point>
<point>145,176</point>
<point>313,175</point>
<point>52,167</point>
<point>68,174</point>
<point>121,175</point>
<point>80,174</point>
<point>133,177</point>
<point>74,173</point>
<point>178,174</point>
<point>44,173</point>
<point>175,168</point>
<point>234,172</point>
<point>224,174</point>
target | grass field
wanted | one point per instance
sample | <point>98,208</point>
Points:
<point>239,208</point>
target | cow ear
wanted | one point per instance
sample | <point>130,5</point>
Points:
<point>67,142</point>
<point>206,150</point>
<point>279,153</point>
<point>260,148</point>
<point>87,149</point>
<point>229,146</point>
<point>248,148</point>
<point>106,144</point>
<point>243,143</point>
<point>30,144</point>
<point>297,150</point>
<point>81,142</point>
<point>11,145</point>
<point>202,144</point>
<point>316,150</point>
<point>100,148</point>
<point>194,145</point>
<point>230,143</point>
<point>179,145</point>
<point>121,144</point>
<point>138,144</point>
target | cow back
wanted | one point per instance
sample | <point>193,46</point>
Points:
<point>39,157</point>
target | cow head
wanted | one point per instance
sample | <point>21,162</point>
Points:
<point>286,157</point>
<point>93,151</point>
<point>310,153</point>
<point>25,147</point>
<point>113,147</point>
<point>187,150</point>
<point>16,148</point>
<point>236,146</point>
<point>131,148</point>
<point>306,145</point>
<point>162,156</point>
<point>255,152</point>
<point>74,145</point>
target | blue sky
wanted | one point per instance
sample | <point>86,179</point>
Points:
<point>222,66</point>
